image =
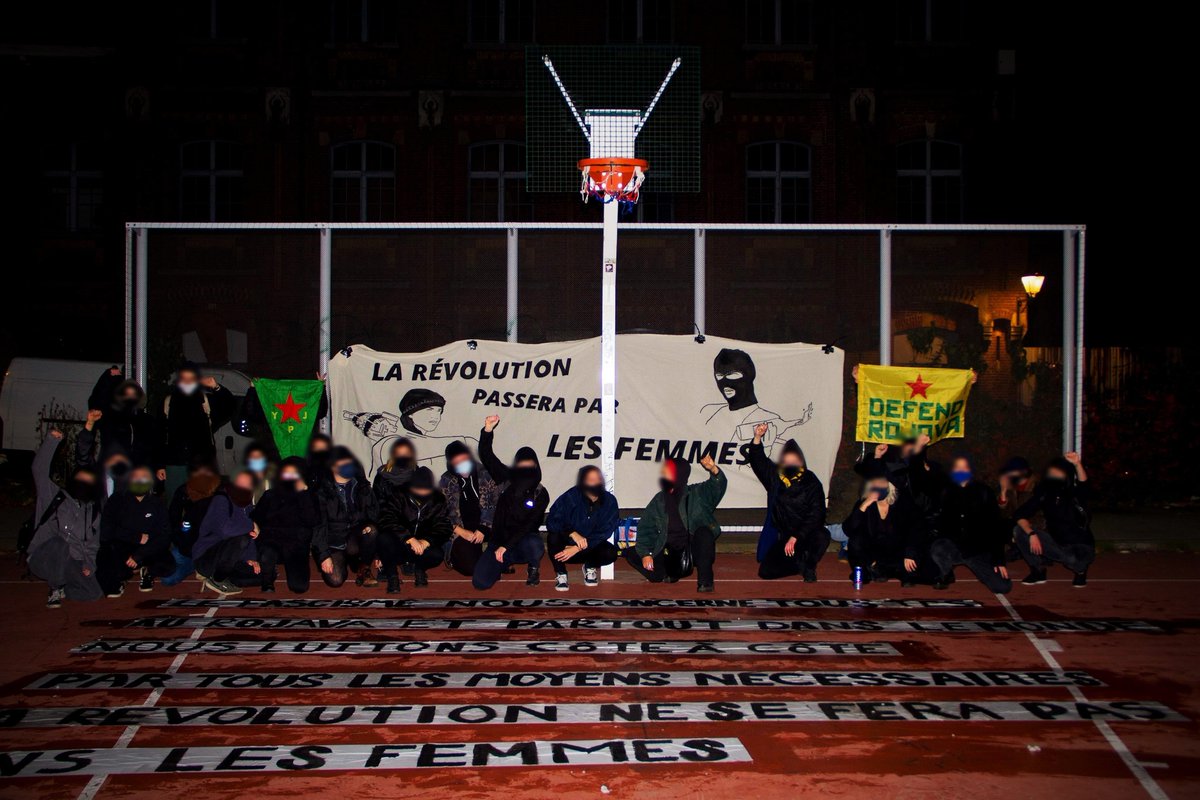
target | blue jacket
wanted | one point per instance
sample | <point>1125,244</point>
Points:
<point>573,512</point>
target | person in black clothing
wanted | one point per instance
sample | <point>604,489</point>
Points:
<point>347,521</point>
<point>192,412</point>
<point>516,537</point>
<point>122,423</point>
<point>970,531</point>
<point>580,528</point>
<point>113,467</point>
<point>797,501</point>
<point>225,551</point>
<point>414,526</point>
<point>393,476</point>
<point>319,445</point>
<point>134,536</point>
<point>186,511</point>
<point>1063,497</point>
<point>908,468</point>
<point>885,536</point>
<point>471,497</point>
<point>286,516</point>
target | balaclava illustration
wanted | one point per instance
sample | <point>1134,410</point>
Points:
<point>734,373</point>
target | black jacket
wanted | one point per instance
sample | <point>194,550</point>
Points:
<point>187,429</point>
<point>122,429</point>
<point>971,519</point>
<point>923,481</point>
<point>125,519</point>
<point>1066,510</point>
<point>185,513</point>
<point>902,534</point>
<point>519,512</point>
<point>798,506</point>
<point>286,519</point>
<point>337,519</point>
<point>401,515</point>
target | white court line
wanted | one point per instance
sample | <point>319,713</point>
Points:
<point>1137,767</point>
<point>93,786</point>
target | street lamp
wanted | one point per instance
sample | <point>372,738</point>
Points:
<point>1033,284</point>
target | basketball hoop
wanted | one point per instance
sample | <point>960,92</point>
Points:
<point>609,179</point>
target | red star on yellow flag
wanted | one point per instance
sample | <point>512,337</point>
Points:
<point>291,409</point>
<point>918,387</point>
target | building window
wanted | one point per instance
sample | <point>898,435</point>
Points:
<point>365,21</point>
<point>74,191</point>
<point>639,21</point>
<point>364,182</point>
<point>778,23</point>
<point>778,182</point>
<point>501,21</point>
<point>212,181</point>
<point>929,181</point>
<point>929,21</point>
<point>496,188</point>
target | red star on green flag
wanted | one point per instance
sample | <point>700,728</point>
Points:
<point>918,387</point>
<point>290,407</point>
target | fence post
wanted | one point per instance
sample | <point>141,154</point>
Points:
<point>325,282</point>
<point>699,281</point>
<point>139,303</point>
<point>885,296</point>
<point>1080,342</point>
<point>1068,341</point>
<point>511,283</point>
<point>129,322</point>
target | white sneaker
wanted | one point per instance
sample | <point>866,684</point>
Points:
<point>591,576</point>
<point>120,591</point>
<point>562,583</point>
<point>55,600</point>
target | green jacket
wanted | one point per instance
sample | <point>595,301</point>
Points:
<point>697,508</point>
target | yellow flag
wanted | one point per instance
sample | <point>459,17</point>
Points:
<point>895,403</point>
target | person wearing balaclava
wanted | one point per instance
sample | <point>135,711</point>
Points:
<point>225,553</point>
<point>195,408</point>
<point>1063,497</point>
<point>286,517</point>
<point>797,502</point>
<point>348,513</point>
<point>66,534</point>
<point>885,535</point>
<point>135,536</point>
<point>471,497</point>
<point>118,422</point>
<point>516,526</point>
<point>678,530</point>
<point>186,511</point>
<point>414,526</point>
<point>317,455</point>
<point>580,528</point>
<point>969,531</point>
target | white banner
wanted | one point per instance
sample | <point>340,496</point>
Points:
<point>674,398</point>
<point>358,603</point>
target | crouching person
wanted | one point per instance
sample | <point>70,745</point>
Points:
<point>580,528</point>
<point>970,531</point>
<point>135,536</point>
<point>516,526</point>
<point>414,528</point>
<point>286,516</point>
<point>678,530</point>
<point>471,497</point>
<point>1062,496</point>
<point>348,511</point>
<point>884,534</point>
<point>225,555</point>
<point>66,537</point>
<point>797,502</point>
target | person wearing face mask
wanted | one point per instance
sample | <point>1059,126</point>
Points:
<point>118,422</point>
<point>194,409</point>
<point>414,526</point>
<point>256,459</point>
<point>969,531</point>
<point>186,511</point>
<point>135,536</point>
<point>797,501</point>
<point>347,524</point>
<point>580,529</point>
<point>393,475</point>
<point>225,553</point>
<point>884,532</point>
<point>1063,498</point>
<point>471,497</point>
<point>114,468</point>
<point>678,530</point>
<point>66,534</point>
<point>516,527</point>
<point>319,446</point>
<point>286,516</point>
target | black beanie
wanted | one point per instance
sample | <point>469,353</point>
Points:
<point>791,446</point>
<point>526,454</point>
<point>422,478</point>
<point>340,453</point>
<point>871,469</point>
<point>416,399</point>
<point>455,449</point>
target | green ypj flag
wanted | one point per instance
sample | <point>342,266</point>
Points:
<point>291,411</point>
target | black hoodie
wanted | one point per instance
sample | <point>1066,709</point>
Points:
<point>405,515</point>
<point>797,504</point>
<point>524,500</point>
<point>286,517</point>
<point>1064,504</point>
<point>342,511</point>
<point>124,427</point>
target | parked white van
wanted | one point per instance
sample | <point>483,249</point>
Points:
<point>43,393</point>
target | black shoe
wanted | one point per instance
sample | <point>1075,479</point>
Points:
<point>534,575</point>
<point>420,577</point>
<point>669,579</point>
<point>704,586</point>
<point>810,575</point>
<point>268,588</point>
<point>509,570</point>
<point>906,583</point>
<point>1080,580</point>
<point>879,576</point>
<point>944,581</point>
<point>393,584</point>
<point>1035,578</point>
<point>147,582</point>
<point>409,568</point>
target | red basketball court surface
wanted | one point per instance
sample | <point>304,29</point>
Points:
<point>993,720</point>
